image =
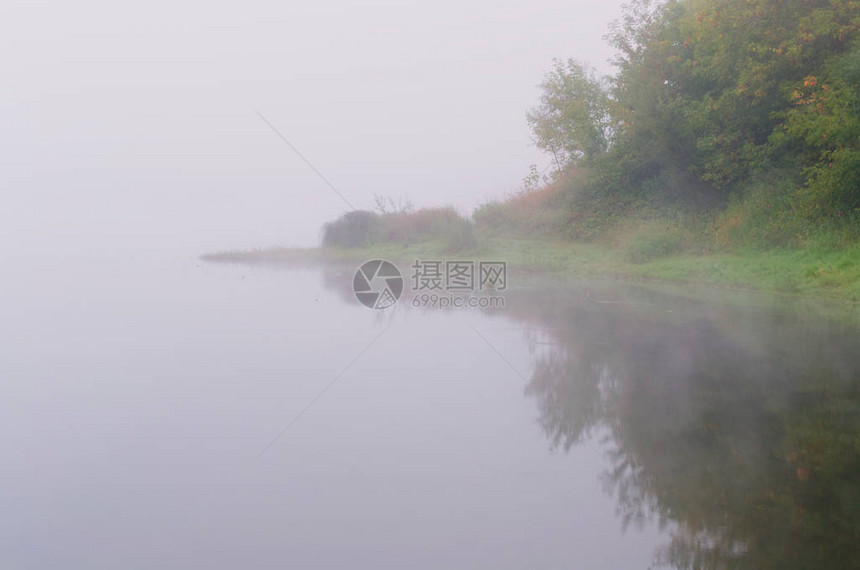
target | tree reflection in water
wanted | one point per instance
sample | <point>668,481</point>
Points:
<point>739,426</point>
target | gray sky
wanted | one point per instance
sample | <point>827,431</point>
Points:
<point>135,126</point>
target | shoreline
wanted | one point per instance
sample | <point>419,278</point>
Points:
<point>799,274</point>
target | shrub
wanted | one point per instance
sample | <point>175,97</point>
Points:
<point>353,229</point>
<point>362,228</point>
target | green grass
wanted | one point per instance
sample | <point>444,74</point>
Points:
<point>831,274</point>
<point>806,272</point>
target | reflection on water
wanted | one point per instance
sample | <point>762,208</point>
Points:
<point>736,425</point>
<point>137,393</point>
<point>740,425</point>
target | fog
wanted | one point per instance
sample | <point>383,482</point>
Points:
<point>133,126</point>
<point>161,410</point>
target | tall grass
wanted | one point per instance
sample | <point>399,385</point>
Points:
<point>772,212</point>
<point>531,213</point>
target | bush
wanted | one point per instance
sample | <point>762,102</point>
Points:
<point>353,229</point>
<point>595,212</point>
<point>362,228</point>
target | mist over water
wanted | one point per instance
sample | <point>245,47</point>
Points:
<point>158,411</point>
<point>138,410</point>
<point>134,414</point>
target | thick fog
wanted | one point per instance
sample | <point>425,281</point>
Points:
<point>133,126</point>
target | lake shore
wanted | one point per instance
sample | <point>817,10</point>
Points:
<point>801,273</point>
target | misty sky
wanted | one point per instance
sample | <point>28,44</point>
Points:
<point>134,126</point>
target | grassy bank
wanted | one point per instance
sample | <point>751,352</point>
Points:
<point>825,274</point>
<point>805,272</point>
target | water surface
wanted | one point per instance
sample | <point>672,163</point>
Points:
<point>586,425</point>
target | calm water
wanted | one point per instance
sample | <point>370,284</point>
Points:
<point>593,425</point>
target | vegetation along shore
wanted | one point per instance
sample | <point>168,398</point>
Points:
<point>724,150</point>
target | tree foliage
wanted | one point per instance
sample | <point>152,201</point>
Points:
<point>710,92</point>
<point>572,121</point>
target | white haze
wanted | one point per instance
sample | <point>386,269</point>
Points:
<point>133,126</point>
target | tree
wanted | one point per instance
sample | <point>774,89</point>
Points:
<point>825,123</point>
<point>572,121</point>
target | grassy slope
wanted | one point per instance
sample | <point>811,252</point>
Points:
<point>826,274</point>
<point>810,273</point>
